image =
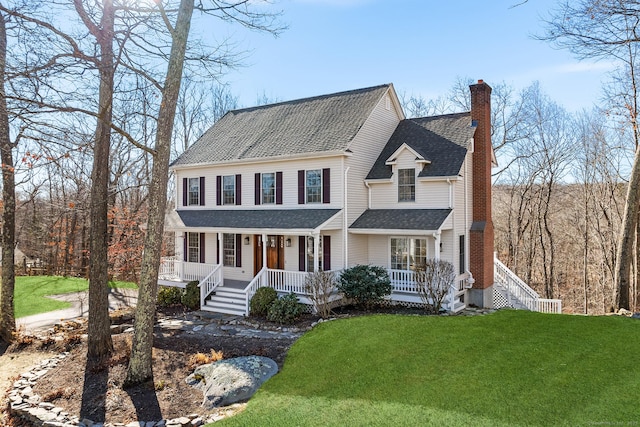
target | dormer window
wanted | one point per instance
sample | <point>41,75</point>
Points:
<point>406,185</point>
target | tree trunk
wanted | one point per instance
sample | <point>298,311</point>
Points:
<point>624,255</point>
<point>7,315</point>
<point>140,363</point>
<point>99,342</point>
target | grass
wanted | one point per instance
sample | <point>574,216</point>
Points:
<point>511,368</point>
<point>30,295</point>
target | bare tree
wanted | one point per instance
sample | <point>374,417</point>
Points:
<point>608,29</point>
<point>7,319</point>
<point>140,363</point>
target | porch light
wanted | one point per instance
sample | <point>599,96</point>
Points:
<point>246,240</point>
<point>288,242</point>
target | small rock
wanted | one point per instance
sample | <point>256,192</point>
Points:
<point>635,316</point>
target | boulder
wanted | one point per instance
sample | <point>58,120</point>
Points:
<point>231,380</point>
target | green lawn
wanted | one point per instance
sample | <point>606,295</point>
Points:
<point>31,291</point>
<point>511,368</point>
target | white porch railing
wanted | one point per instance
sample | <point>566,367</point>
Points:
<point>257,282</point>
<point>172,268</point>
<point>287,281</point>
<point>403,281</point>
<point>518,291</point>
<point>210,283</point>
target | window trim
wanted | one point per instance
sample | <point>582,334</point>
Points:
<point>193,192</point>
<point>232,179</point>
<point>262,189</point>
<point>411,247</point>
<point>191,238</point>
<point>320,187</point>
<point>403,185</point>
<point>228,252</point>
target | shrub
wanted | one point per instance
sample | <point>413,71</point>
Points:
<point>262,300</point>
<point>433,280</point>
<point>285,310</point>
<point>169,295</point>
<point>319,285</point>
<point>198,359</point>
<point>365,284</point>
<point>191,296</point>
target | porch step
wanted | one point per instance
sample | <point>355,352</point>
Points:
<point>227,300</point>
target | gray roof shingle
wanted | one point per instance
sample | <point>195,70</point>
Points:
<point>442,140</point>
<point>401,219</point>
<point>286,219</point>
<point>310,125</point>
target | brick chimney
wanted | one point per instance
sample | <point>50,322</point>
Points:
<point>481,233</point>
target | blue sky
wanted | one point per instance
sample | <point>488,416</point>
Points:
<point>420,46</point>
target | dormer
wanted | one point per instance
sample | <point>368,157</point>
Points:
<point>420,159</point>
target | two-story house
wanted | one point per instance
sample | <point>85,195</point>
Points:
<point>270,193</point>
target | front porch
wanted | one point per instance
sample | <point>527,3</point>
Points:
<point>231,296</point>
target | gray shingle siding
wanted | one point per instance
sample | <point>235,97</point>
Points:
<point>401,219</point>
<point>442,140</point>
<point>320,124</point>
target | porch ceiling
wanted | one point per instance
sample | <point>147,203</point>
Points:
<point>270,219</point>
<point>388,220</point>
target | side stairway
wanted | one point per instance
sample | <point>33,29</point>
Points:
<point>510,291</point>
<point>228,300</point>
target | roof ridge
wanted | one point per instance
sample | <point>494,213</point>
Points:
<point>462,113</point>
<point>311,98</point>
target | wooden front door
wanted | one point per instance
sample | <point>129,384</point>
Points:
<point>275,252</point>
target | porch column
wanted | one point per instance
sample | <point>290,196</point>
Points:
<point>436,239</point>
<point>264,250</point>
<point>316,249</point>
<point>220,254</point>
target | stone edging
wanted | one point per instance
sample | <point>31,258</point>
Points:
<point>25,404</point>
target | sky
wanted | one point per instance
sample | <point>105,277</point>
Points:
<point>421,46</point>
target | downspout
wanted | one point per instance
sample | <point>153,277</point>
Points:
<point>368,194</point>
<point>466,216</point>
<point>345,220</point>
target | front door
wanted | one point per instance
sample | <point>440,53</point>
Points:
<point>275,252</point>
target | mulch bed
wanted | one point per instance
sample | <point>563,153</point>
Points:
<point>94,390</point>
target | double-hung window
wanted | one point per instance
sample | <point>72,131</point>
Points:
<point>229,190</point>
<point>194,191</point>
<point>268,188</point>
<point>408,253</point>
<point>193,247</point>
<point>229,250</point>
<point>314,186</point>
<point>406,185</point>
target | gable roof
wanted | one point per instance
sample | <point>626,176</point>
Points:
<point>443,140</point>
<point>325,123</point>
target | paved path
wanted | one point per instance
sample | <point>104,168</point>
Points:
<point>118,298</point>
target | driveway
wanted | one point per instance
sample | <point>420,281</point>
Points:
<point>118,298</point>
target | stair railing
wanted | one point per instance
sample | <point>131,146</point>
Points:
<point>257,282</point>
<point>209,284</point>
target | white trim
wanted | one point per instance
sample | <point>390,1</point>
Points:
<point>389,231</point>
<point>439,178</point>
<point>391,160</point>
<point>379,180</point>
<point>272,159</point>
